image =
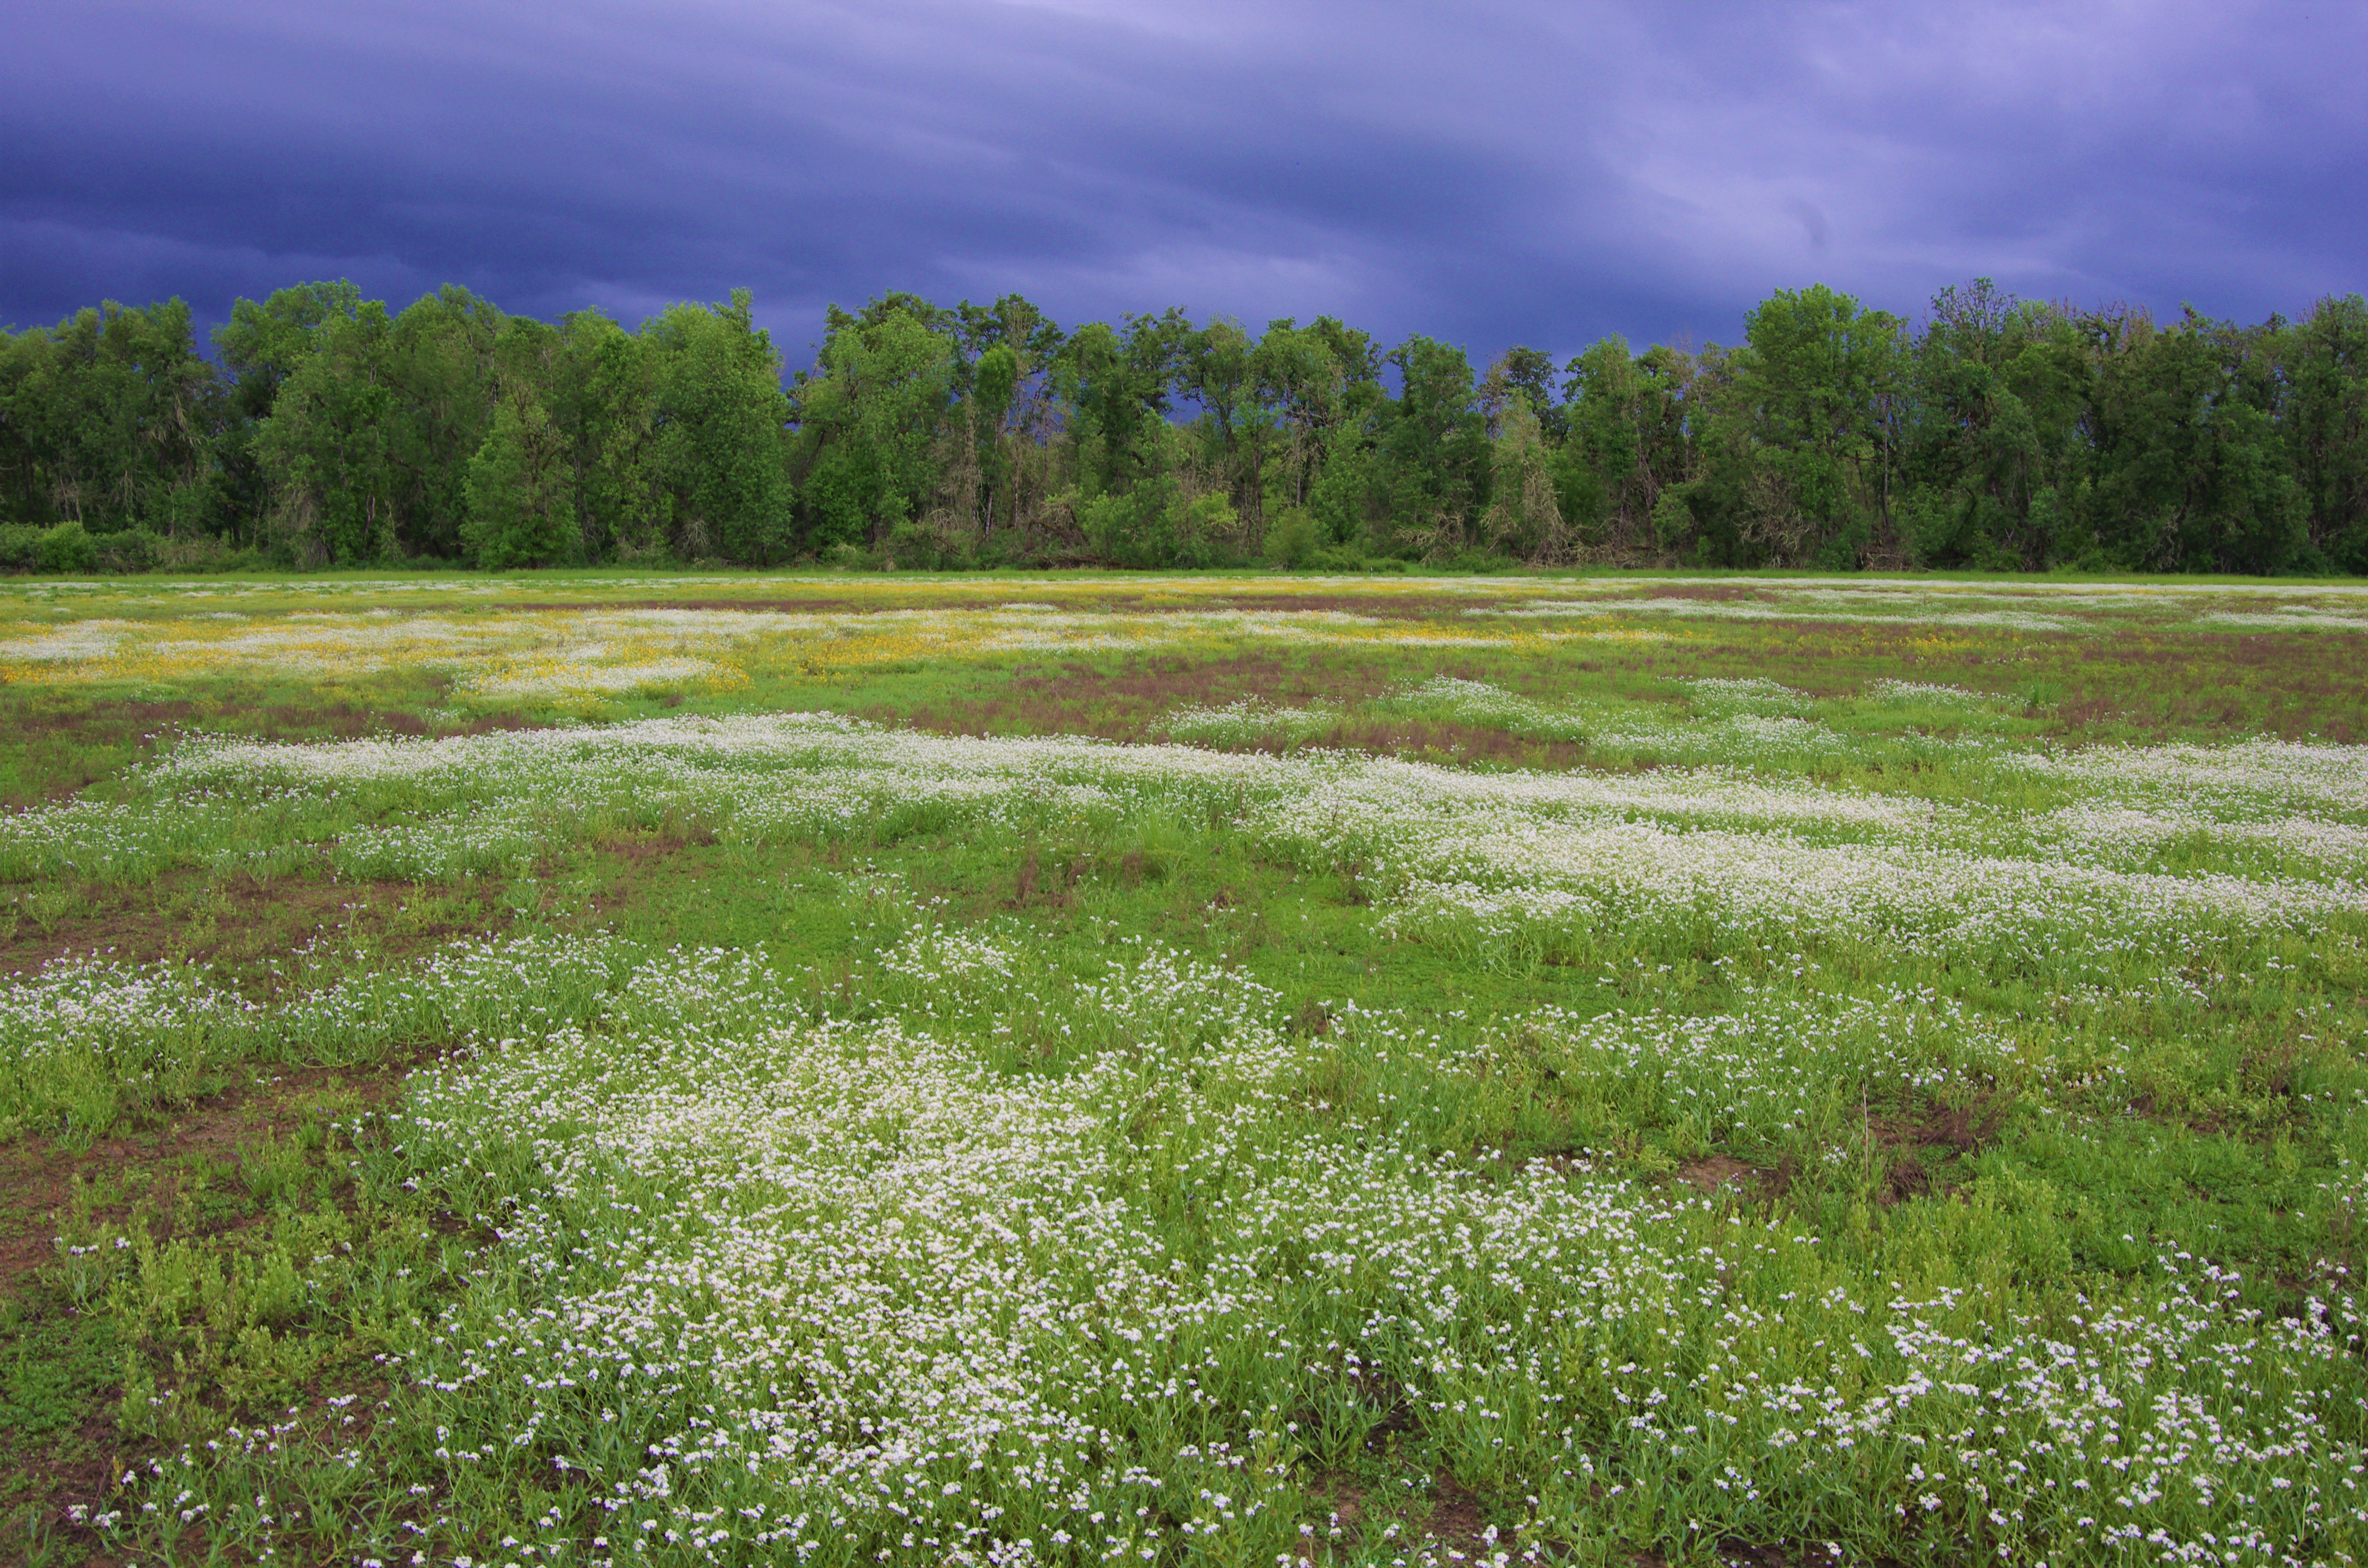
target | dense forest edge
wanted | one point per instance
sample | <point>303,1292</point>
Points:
<point>1994,435</point>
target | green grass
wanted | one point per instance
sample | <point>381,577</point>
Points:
<point>437,1156</point>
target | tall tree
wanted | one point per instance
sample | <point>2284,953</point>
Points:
<point>326,447</point>
<point>1010,410</point>
<point>2325,359</point>
<point>719,443</point>
<point>1992,459</point>
<point>1320,380</point>
<point>1217,369</point>
<point>1434,450</point>
<point>602,394</point>
<point>440,362</point>
<point>2192,468</point>
<point>1625,442</point>
<point>1117,385</point>
<point>870,424</point>
<point>522,486</point>
<point>107,419</point>
<point>1808,389</point>
<point>1524,517</point>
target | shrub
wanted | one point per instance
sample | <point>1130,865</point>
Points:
<point>131,550</point>
<point>65,548</point>
<point>1294,538</point>
<point>18,543</point>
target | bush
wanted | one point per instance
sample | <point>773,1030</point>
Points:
<point>1482,562</point>
<point>128,552</point>
<point>68,547</point>
<point>521,491</point>
<point>934,544</point>
<point>19,543</point>
<point>1294,538</point>
<point>65,548</point>
<point>205,552</point>
<point>1154,526</point>
<point>1348,558</point>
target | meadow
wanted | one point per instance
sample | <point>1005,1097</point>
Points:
<point>834,1069</point>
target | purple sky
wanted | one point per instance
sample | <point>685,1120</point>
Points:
<point>1488,173</point>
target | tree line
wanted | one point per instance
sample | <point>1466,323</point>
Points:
<point>326,429</point>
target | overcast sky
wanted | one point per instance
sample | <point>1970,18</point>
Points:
<point>1488,173</point>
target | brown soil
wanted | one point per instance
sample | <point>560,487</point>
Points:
<point>1378,606</point>
<point>1712,593</point>
<point>1965,1129</point>
<point>37,1180</point>
<point>1455,1519</point>
<point>63,748</point>
<point>249,919</point>
<point>1935,1133</point>
<point>1346,1501</point>
<point>1718,1171</point>
<point>146,1170</point>
<point>1129,705</point>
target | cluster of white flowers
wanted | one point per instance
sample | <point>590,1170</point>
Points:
<point>1915,693</point>
<point>1247,720</point>
<point>78,1031</point>
<point>562,676</point>
<point>1477,702</point>
<point>2296,618</point>
<point>1099,1273</point>
<point>1744,694</point>
<point>965,1254</point>
<point>1597,848</point>
<point>2243,780</point>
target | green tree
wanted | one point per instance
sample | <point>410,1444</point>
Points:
<point>522,486</point>
<point>1216,369</point>
<point>260,348</point>
<point>1322,380</point>
<point>1524,517</point>
<point>1117,387</point>
<point>1432,443</point>
<point>1993,460</point>
<point>2326,362</point>
<point>1006,353</point>
<point>994,383</point>
<point>871,423</point>
<point>603,396</point>
<point>327,448</point>
<point>1807,419</point>
<point>442,367</point>
<point>373,419</point>
<point>1528,374</point>
<point>2192,470</point>
<point>719,444</point>
<point>108,420</point>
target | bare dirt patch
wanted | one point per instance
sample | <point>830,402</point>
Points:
<point>236,921</point>
<point>1456,1521</point>
<point>38,1180</point>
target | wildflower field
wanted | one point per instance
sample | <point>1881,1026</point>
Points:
<point>819,1069</point>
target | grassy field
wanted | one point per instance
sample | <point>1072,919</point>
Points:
<point>636,1070</point>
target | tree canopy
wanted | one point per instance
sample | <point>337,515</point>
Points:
<point>327,428</point>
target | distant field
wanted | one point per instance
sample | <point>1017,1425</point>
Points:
<point>845,1069</point>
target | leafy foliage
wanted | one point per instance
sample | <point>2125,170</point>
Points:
<point>1994,434</point>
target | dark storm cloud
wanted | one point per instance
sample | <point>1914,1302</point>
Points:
<point>1484,173</point>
